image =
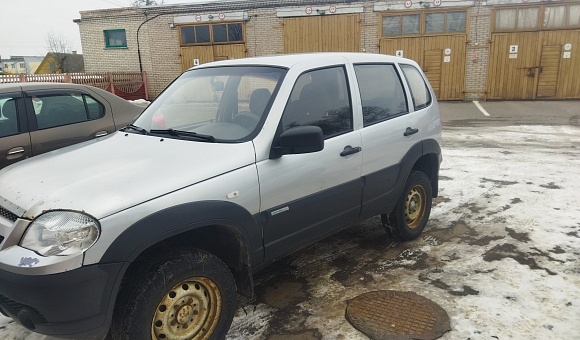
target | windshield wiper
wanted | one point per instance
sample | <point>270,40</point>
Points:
<point>180,133</point>
<point>136,128</point>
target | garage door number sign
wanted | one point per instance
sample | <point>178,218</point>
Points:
<point>308,10</point>
<point>436,3</point>
<point>408,4</point>
<point>332,9</point>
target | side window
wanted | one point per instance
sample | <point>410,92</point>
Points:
<point>320,98</point>
<point>419,89</point>
<point>59,109</point>
<point>8,117</point>
<point>381,92</point>
<point>95,109</point>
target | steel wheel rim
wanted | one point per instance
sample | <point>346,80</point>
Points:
<point>415,206</point>
<point>189,311</point>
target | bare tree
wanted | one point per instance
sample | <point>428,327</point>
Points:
<point>59,47</point>
<point>139,3</point>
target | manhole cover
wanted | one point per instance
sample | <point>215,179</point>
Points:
<point>392,315</point>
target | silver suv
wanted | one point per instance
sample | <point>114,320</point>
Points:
<point>150,232</point>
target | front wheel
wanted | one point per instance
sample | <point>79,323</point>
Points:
<point>186,295</point>
<point>410,215</point>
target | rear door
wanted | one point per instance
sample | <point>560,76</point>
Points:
<point>395,119</point>
<point>14,136</point>
<point>60,118</point>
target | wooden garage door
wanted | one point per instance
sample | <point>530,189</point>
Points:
<point>512,75</point>
<point>446,75</point>
<point>450,73</point>
<point>330,33</point>
<point>412,47</point>
<point>565,71</point>
<point>207,54</point>
<point>538,69</point>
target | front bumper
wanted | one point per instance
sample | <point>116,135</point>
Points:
<point>74,304</point>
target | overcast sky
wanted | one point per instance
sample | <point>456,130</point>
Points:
<point>24,24</point>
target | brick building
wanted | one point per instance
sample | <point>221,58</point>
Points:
<point>476,49</point>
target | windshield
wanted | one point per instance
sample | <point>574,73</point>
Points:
<point>220,104</point>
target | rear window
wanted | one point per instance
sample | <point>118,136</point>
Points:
<point>419,89</point>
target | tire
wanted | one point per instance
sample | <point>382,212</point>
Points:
<point>410,215</point>
<point>185,295</point>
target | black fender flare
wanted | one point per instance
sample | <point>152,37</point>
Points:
<point>178,219</point>
<point>418,150</point>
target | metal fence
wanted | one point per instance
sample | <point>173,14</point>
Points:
<point>128,85</point>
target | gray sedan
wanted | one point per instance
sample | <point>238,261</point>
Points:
<point>39,117</point>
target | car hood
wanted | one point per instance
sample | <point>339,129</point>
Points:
<point>102,177</point>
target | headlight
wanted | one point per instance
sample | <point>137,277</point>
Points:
<point>61,233</point>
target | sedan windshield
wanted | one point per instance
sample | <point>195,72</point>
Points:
<point>220,104</point>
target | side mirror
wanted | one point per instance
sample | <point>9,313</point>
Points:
<point>300,139</point>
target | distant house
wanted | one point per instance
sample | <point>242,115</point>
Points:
<point>20,64</point>
<point>61,63</point>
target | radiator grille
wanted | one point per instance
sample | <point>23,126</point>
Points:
<point>8,214</point>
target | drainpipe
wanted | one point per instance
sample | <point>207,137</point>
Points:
<point>138,45</point>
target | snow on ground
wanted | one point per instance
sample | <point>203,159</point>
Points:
<point>500,253</point>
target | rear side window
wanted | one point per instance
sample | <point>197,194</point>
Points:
<point>8,117</point>
<point>320,98</point>
<point>419,89</point>
<point>381,92</point>
<point>65,108</point>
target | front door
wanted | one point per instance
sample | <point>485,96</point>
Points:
<point>307,196</point>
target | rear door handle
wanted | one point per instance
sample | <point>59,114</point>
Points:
<point>410,131</point>
<point>100,134</point>
<point>349,150</point>
<point>15,151</point>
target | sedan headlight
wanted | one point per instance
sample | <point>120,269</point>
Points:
<point>61,233</point>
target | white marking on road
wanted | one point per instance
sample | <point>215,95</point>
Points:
<point>480,108</point>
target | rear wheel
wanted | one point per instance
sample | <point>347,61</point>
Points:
<point>187,295</point>
<point>410,215</point>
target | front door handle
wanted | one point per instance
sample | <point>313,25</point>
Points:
<point>100,134</point>
<point>410,131</point>
<point>349,150</point>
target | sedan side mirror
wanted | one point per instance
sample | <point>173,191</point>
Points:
<point>299,139</point>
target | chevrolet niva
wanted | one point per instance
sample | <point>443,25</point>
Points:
<point>150,232</point>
